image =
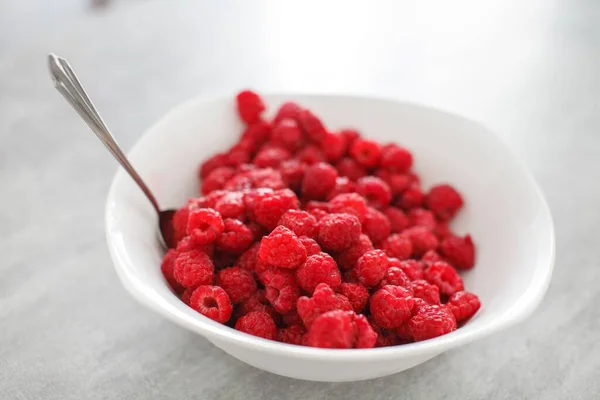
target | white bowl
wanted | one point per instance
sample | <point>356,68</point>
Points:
<point>505,212</point>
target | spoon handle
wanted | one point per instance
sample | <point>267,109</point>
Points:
<point>68,85</point>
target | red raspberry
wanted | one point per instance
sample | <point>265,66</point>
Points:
<point>288,134</point>
<point>341,330</point>
<point>188,244</point>
<point>376,191</point>
<point>320,268</point>
<point>395,276</point>
<point>249,106</point>
<point>179,222</point>
<point>444,201</point>
<point>319,180</point>
<point>318,213</point>
<point>412,269</point>
<point>208,201</point>
<point>193,268</point>
<point>376,225</point>
<point>431,257</point>
<point>257,302</point>
<point>349,203</point>
<point>460,252</point>
<point>316,205</point>
<point>216,179</point>
<point>277,277</point>
<point>334,146</point>
<point>312,125</point>
<point>299,222</point>
<point>167,266</point>
<point>231,205</point>
<point>366,152</point>
<point>397,246</point>
<point>271,157</point>
<point>287,110</point>
<point>350,135</point>
<point>398,220</point>
<point>310,245</point>
<point>350,276</point>
<point>385,338</point>
<point>212,302</point>
<point>323,299</point>
<point>186,296</point>
<point>396,159</point>
<point>292,335</point>
<point>292,173</point>
<point>442,230</point>
<point>442,275</point>
<point>412,197</point>
<point>421,217</point>
<point>257,323</point>
<point>282,249</point>
<point>237,282</point>
<point>403,332</point>
<point>254,136</point>
<point>463,305</point>
<point>251,199</point>
<point>282,295</point>
<point>266,178</point>
<point>351,169</point>
<point>342,185</point>
<point>371,267</point>
<point>357,294</point>
<point>422,240</point>
<point>426,291</point>
<point>365,335</point>
<point>391,306</point>
<point>398,183</point>
<point>431,321</point>
<point>238,155</point>
<point>236,237</point>
<point>205,225</point>
<point>247,260</point>
<point>240,182</point>
<point>216,161</point>
<point>271,206</point>
<point>347,258</point>
<point>224,259</point>
<point>338,232</point>
<point>292,318</point>
<point>310,154</point>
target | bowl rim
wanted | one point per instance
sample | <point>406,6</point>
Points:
<point>518,311</point>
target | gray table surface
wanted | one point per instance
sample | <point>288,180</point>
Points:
<point>68,330</point>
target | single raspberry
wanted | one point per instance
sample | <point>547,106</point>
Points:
<point>396,159</point>
<point>403,333</point>
<point>357,294</point>
<point>444,201</point>
<point>237,282</point>
<point>412,197</point>
<point>412,269</point>
<point>292,335</point>
<point>319,268</point>
<point>334,146</point>
<point>460,252</point>
<point>338,232</point>
<point>271,157</point>
<point>193,268</point>
<point>376,225</point>
<point>249,106</point>
<point>310,154</point>
<point>395,276</point>
<point>292,173</point>
<point>431,321</point>
<point>349,203</point>
<point>266,178</point>
<point>351,169</point>
<point>323,299</point>
<point>391,306</point>
<point>463,305</point>
<point>365,335</point>
<point>442,230</point>
<point>188,244</point>
<point>186,296</point>
<point>350,135</point>
<point>347,259</point>
<point>385,337</point>
<point>179,223</point>
<point>311,246</point>
<point>251,198</point>
<point>366,152</point>
<point>398,183</point>
<point>287,110</point>
<point>216,179</point>
<point>167,268</point>
<point>342,185</point>
<point>271,206</point>
<point>426,291</point>
<point>287,134</point>
<point>282,249</point>
<point>431,257</point>
<point>231,205</point>
<point>312,125</point>
<point>397,246</point>
<point>319,180</point>
<point>422,217</point>
<point>253,137</point>
<point>212,302</point>
<point>376,191</point>
<point>442,275</point>
<point>371,267</point>
<point>257,323</point>
<point>318,213</point>
<point>299,222</point>
<point>205,225</point>
<point>398,219</point>
<point>214,162</point>
<point>422,240</point>
<point>247,260</point>
<point>257,302</point>
<point>238,155</point>
<point>341,330</point>
<point>282,294</point>
<point>236,237</point>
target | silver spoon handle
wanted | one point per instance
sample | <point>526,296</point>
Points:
<point>68,85</point>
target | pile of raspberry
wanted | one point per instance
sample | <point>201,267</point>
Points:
<point>320,238</point>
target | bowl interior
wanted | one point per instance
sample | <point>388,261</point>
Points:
<point>505,212</point>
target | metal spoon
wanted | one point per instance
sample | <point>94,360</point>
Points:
<point>68,85</point>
